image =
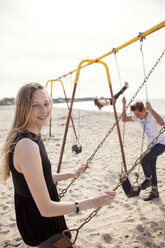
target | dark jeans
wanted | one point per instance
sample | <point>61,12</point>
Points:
<point>117,94</point>
<point>149,162</point>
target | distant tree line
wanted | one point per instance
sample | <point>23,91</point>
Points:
<point>11,101</point>
<point>7,101</point>
<point>62,100</point>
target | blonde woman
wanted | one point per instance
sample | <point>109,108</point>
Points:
<point>39,214</point>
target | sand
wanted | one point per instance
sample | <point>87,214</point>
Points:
<point>128,222</point>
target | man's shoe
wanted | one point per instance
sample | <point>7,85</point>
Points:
<point>153,194</point>
<point>145,184</point>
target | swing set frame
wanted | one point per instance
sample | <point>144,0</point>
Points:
<point>86,63</point>
<point>83,64</point>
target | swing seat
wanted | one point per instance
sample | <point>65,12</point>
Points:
<point>76,149</point>
<point>134,191</point>
<point>62,242</point>
<point>130,191</point>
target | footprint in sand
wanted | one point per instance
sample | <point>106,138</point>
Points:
<point>12,225</point>
<point>144,230</point>
<point>99,246</point>
<point>12,219</point>
<point>5,232</point>
<point>3,207</point>
<point>128,206</point>
<point>154,225</point>
<point>15,243</point>
<point>107,238</point>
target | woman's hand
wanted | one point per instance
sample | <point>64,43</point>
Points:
<point>81,169</point>
<point>106,198</point>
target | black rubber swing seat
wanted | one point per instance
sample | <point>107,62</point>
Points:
<point>130,191</point>
<point>76,149</point>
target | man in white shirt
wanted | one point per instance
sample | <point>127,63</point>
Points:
<point>151,123</point>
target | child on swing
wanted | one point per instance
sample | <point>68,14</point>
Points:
<point>102,102</point>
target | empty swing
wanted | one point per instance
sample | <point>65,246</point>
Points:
<point>76,148</point>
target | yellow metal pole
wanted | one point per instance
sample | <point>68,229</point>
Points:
<point>51,90</point>
<point>70,110</point>
<point>59,80</point>
<point>69,114</point>
<point>50,122</point>
<point>115,113</point>
<point>139,37</point>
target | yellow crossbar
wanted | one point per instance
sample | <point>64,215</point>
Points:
<point>139,37</point>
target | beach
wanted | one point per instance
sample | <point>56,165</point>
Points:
<point>128,222</point>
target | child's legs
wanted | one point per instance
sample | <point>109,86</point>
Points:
<point>116,96</point>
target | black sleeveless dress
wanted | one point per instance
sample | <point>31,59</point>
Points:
<point>34,228</point>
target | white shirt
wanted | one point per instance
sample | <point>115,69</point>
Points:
<point>152,128</point>
<point>104,101</point>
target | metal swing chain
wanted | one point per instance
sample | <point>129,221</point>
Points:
<point>143,63</point>
<point>88,160</point>
<point>118,71</point>
<point>146,91</point>
<point>74,138</point>
<point>123,134</point>
<point>124,178</point>
<point>78,124</point>
<point>111,129</point>
<point>74,134</point>
<point>138,160</point>
<point>79,115</point>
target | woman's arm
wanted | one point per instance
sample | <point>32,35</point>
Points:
<point>157,117</point>
<point>27,160</point>
<point>65,176</point>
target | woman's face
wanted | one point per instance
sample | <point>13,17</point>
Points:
<point>41,109</point>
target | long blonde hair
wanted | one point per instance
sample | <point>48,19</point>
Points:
<point>23,108</point>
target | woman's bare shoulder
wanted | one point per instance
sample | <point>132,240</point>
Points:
<point>26,145</point>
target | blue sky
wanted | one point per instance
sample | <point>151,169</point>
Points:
<point>44,39</point>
